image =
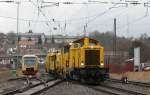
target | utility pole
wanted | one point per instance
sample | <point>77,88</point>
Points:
<point>115,39</point>
<point>18,5</point>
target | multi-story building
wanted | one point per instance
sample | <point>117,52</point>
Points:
<point>36,37</point>
<point>60,39</point>
<point>31,42</point>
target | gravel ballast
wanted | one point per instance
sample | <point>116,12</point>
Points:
<point>67,88</point>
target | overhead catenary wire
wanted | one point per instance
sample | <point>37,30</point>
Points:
<point>146,9</point>
<point>132,22</point>
<point>74,19</point>
<point>106,11</point>
<point>90,18</point>
<point>126,3</point>
<point>121,12</point>
<point>94,2</point>
<point>23,19</point>
<point>100,14</point>
<point>128,23</point>
<point>39,9</point>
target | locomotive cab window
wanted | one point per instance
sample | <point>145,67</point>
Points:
<point>77,45</point>
<point>92,44</point>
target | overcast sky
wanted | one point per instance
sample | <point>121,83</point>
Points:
<point>71,18</point>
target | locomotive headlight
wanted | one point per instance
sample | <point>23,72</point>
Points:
<point>70,43</point>
<point>102,64</point>
<point>82,63</point>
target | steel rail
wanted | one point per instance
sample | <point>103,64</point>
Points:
<point>46,88</point>
<point>124,90</point>
<point>115,90</point>
<point>112,90</point>
<point>144,84</point>
<point>26,88</point>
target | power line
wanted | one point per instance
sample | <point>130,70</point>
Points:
<point>103,13</point>
<point>136,20</point>
<point>100,14</point>
<point>122,2</point>
<point>39,9</point>
<point>92,18</point>
<point>21,19</point>
<point>116,16</point>
<point>71,20</point>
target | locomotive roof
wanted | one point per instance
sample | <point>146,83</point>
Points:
<point>82,40</point>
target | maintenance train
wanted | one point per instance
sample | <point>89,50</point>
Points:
<point>81,60</point>
<point>30,65</point>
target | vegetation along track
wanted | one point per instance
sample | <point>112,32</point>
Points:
<point>34,89</point>
<point>115,90</point>
<point>132,82</point>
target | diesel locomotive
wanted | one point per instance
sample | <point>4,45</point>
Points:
<point>81,60</point>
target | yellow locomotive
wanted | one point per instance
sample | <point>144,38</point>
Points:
<point>81,60</point>
<point>30,64</point>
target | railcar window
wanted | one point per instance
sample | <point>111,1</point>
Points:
<point>30,60</point>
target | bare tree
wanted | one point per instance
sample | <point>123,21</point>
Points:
<point>12,37</point>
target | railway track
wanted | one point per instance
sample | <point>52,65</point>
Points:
<point>132,82</point>
<point>34,88</point>
<point>17,78</point>
<point>20,78</point>
<point>115,90</point>
<point>112,90</point>
<point>40,87</point>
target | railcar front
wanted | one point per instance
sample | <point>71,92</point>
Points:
<point>30,64</point>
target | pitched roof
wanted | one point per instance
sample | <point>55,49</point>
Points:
<point>31,34</point>
<point>26,42</point>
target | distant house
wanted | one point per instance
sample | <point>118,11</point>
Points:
<point>3,44</point>
<point>31,42</point>
<point>37,37</point>
<point>27,44</point>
